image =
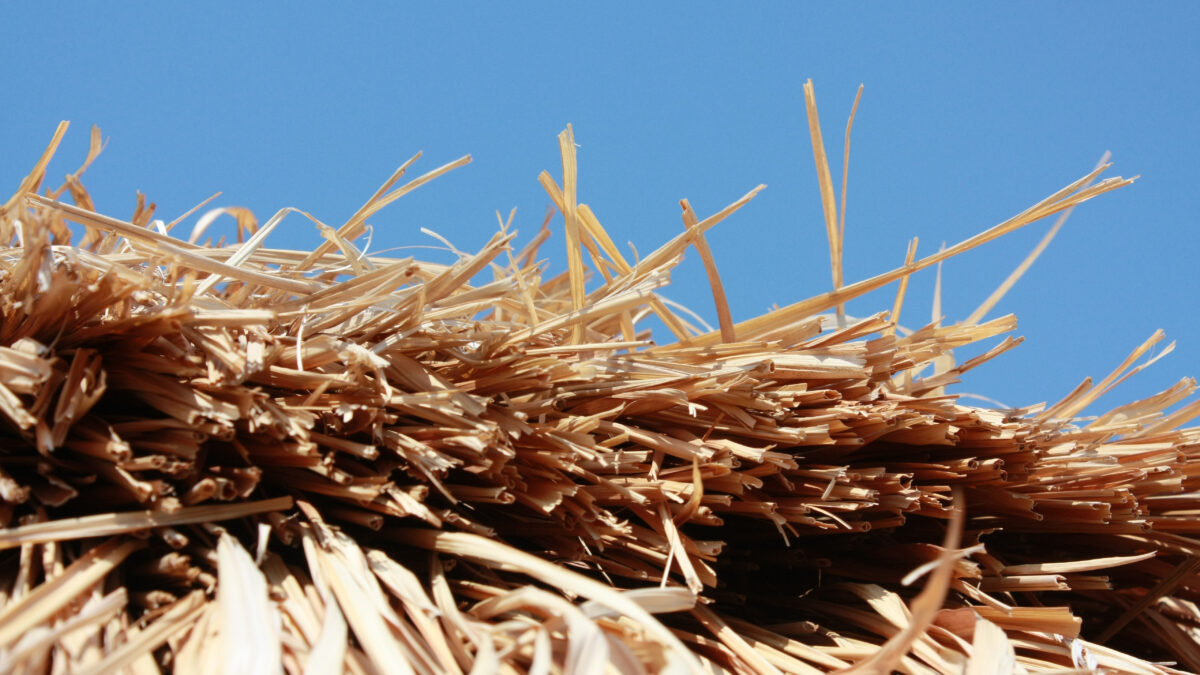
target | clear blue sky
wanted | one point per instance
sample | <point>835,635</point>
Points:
<point>969,115</point>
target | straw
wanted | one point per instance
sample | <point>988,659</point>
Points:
<point>245,457</point>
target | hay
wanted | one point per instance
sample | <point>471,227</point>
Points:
<point>244,459</point>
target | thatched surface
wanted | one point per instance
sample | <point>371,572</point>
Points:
<point>237,458</point>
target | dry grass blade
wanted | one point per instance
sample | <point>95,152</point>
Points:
<point>714,278</point>
<point>730,638</point>
<point>30,183</point>
<point>566,144</point>
<point>991,652</point>
<point>108,524</point>
<point>49,598</point>
<point>39,639</point>
<point>358,596</point>
<point>828,200</point>
<point>1012,279</point>
<point>1189,567</point>
<point>1077,566</point>
<point>178,618</point>
<point>249,619</point>
<point>377,202</point>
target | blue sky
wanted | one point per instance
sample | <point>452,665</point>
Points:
<point>970,114</point>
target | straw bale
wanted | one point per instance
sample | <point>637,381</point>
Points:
<point>244,459</point>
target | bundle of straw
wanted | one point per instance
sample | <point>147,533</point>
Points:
<point>233,458</point>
